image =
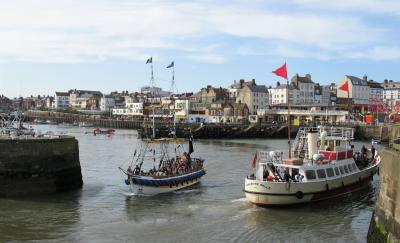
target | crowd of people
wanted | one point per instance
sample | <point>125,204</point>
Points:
<point>171,167</point>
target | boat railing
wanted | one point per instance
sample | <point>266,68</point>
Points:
<point>265,157</point>
<point>339,133</point>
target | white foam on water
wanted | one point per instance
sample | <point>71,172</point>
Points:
<point>243,199</point>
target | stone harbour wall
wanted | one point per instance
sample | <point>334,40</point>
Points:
<point>385,223</point>
<point>39,166</point>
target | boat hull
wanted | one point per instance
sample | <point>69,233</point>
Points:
<point>264,193</point>
<point>154,187</point>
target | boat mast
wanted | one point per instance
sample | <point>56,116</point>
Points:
<point>288,119</point>
<point>282,72</point>
<point>150,60</point>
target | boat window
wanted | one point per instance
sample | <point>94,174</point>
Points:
<point>337,171</point>
<point>321,173</point>
<point>341,170</point>
<point>310,175</point>
<point>329,172</point>
<point>350,169</point>
<point>354,167</point>
<point>346,169</point>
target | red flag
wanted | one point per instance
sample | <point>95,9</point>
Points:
<point>254,161</point>
<point>281,72</point>
<point>345,87</point>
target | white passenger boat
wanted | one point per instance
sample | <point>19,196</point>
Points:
<point>322,165</point>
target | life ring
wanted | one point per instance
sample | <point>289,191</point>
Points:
<point>299,194</point>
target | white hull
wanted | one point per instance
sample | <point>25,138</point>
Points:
<point>265,193</point>
<point>135,189</point>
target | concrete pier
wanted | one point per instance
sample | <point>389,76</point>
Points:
<point>385,223</point>
<point>32,166</point>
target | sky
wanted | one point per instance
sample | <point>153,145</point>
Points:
<point>57,45</point>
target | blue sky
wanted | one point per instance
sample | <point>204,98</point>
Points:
<point>56,45</point>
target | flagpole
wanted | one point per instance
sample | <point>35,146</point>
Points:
<point>288,120</point>
<point>173,79</point>
<point>348,106</point>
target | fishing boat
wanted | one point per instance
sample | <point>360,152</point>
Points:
<point>323,165</point>
<point>161,166</point>
<point>103,131</point>
<point>39,121</point>
<point>85,124</point>
<point>376,141</point>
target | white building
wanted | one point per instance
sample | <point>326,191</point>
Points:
<point>391,92</point>
<point>82,99</point>
<point>359,90</point>
<point>182,107</point>
<point>306,90</point>
<point>61,100</point>
<point>154,91</point>
<point>278,95</point>
<point>107,103</point>
<point>131,109</point>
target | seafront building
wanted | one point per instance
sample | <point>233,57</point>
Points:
<point>241,102</point>
<point>61,100</point>
<point>391,93</point>
<point>253,95</point>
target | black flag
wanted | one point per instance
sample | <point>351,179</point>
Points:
<point>150,60</point>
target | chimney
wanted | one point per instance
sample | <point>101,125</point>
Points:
<point>365,78</point>
<point>241,83</point>
<point>390,81</point>
<point>308,76</point>
<point>385,81</point>
<point>253,81</point>
<point>278,84</point>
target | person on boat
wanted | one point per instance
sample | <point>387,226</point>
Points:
<point>265,174</point>
<point>137,170</point>
<point>373,151</point>
<point>364,151</point>
<point>287,176</point>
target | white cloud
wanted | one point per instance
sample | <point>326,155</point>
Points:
<point>376,53</point>
<point>369,6</point>
<point>211,58</point>
<point>94,30</point>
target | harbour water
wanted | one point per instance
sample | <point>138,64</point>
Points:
<point>214,211</point>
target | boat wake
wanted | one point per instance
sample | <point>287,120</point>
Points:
<point>243,199</point>
<point>187,191</point>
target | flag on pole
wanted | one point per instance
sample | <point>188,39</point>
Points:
<point>281,72</point>
<point>171,65</point>
<point>254,161</point>
<point>345,87</point>
<point>150,60</point>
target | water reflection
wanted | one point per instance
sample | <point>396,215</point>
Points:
<point>39,218</point>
